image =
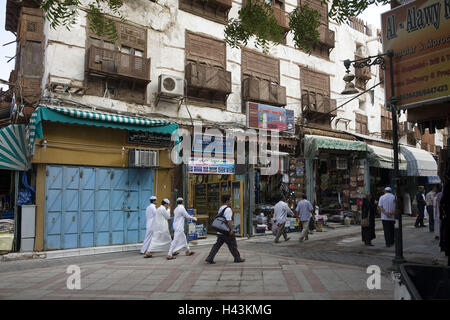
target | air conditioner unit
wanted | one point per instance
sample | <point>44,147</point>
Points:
<point>170,86</point>
<point>144,158</point>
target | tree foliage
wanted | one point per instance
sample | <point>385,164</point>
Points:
<point>64,13</point>
<point>255,19</point>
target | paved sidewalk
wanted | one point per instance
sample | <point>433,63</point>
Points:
<point>262,276</point>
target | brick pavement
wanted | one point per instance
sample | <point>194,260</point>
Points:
<point>129,276</point>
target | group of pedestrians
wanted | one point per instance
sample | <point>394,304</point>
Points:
<point>431,203</point>
<point>387,205</point>
<point>303,211</point>
<point>157,237</point>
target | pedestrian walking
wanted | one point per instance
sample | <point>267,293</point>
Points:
<point>230,238</point>
<point>304,210</point>
<point>149,215</point>
<point>161,238</point>
<point>436,207</point>
<point>420,199</point>
<point>368,212</point>
<point>429,199</point>
<point>387,208</point>
<point>179,238</point>
<point>281,210</point>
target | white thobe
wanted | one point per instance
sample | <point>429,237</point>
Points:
<point>150,213</point>
<point>179,238</point>
<point>161,236</point>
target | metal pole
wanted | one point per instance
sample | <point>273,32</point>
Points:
<point>398,211</point>
<point>16,212</point>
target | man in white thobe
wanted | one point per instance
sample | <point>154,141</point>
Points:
<point>281,210</point>
<point>179,238</point>
<point>150,215</point>
<point>161,238</point>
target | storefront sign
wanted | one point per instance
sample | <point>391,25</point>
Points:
<point>149,139</point>
<point>418,33</point>
<point>211,166</point>
<point>262,116</point>
<point>202,141</point>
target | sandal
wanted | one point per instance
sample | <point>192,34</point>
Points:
<point>175,253</point>
<point>171,258</point>
<point>190,253</point>
<point>146,256</point>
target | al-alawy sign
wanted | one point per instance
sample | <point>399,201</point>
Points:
<point>419,35</point>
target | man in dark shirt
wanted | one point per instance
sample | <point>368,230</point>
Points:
<point>420,198</point>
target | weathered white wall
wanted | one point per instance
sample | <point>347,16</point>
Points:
<point>166,25</point>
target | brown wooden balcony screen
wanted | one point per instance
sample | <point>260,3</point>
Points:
<point>326,36</point>
<point>202,76</point>
<point>313,101</point>
<point>118,64</point>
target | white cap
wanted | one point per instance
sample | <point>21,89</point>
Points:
<point>153,198</point>
<point>388,189</point>
<point>166,201</point>
<point>180,199</point>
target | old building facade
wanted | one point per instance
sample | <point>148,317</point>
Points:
<point>170,66</point>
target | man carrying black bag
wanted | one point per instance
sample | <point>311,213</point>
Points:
<point>222,237</point>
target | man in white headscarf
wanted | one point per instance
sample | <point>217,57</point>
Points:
<point>161,238</point>
<point>150,213</point>
<point>179,238</point>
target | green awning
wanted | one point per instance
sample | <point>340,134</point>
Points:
<point>384,158</point>
<point>313,143</point>
<point>13,148</point>
<point>90,118</point>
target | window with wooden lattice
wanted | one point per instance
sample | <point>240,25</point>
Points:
<point>361,124</point>
<point>214,10</point>
<point>317,107</point>
<point>326,36</point>
<point>118,70</point>
<point>205,70</point>
<point>386,123</point>
<point>428,141</point>
<point>260,76</point>
<point>30,54</point>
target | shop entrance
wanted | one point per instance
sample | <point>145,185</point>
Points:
<point>207,191</point>
<point>339,183</point>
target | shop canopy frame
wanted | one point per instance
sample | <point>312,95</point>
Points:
<point>421,163</point>
<point>380,157</point>
<point>91,118</point>
<point>14,153</point>
<point>313,143</point>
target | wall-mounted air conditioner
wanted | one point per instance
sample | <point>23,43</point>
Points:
<point>170,86</point>
<point>143,158</point>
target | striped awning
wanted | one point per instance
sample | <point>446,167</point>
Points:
<point>313,143</point>
<point>90,118</point>
<point>420,162</point>
<point>13,148</point>
<point>384,158</point>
